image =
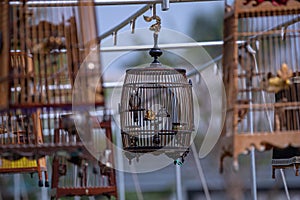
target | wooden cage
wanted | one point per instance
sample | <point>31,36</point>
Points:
<point>22,129</point>
<point>44,46</point>
<point>80,173</point>
<point>261,73</point>
<point>42,49</point>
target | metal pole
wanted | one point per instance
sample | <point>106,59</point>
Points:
<point>17,188</point>
<point>249,85</point>
<point>271,127</point>
<point>254,187</point>
<point>44,193</point>
<point>251,122</point>
<point>178,183</point>
<point>200,171</point>
<point>119,161</point>
<point>285,184</point>
<point>164,46</point>
<point>137,186</point>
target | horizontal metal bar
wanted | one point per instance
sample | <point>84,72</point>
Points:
<point>204,66</point>
<point>190,74</point>
<point>67,3</point>
<point>164,46</point>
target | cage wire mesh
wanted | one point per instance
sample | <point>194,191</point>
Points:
<point>156,110</point>
<point>261,75</point>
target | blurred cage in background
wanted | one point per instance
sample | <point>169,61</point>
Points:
<point>18,128</point>
<point>261,69</point>
<point>289,120</point>
<point>84,172</point>
<point>44,46</point>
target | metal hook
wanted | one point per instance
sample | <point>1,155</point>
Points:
<point>132,25</point>
<point>115,37</point>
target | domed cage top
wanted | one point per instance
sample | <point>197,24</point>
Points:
<point>156,109</point>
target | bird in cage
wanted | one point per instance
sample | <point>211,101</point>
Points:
<point>282,81</point>
<point>156,139</point>
<point>75,157</point>
<point>135,105</point>
<point>150,115</point>
<point>49,44</point>
<point>133,141</point>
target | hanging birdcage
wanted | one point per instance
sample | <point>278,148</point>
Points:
<point>156,109</point>
<point>42,49</point>
<point>260,72</point>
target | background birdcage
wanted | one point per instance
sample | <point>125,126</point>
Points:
<point>261,41</point>
<point>43,50</point>
<point>156,111</point>
<point>43,47</point>
<point>81,173</point>
<point>19,128</point>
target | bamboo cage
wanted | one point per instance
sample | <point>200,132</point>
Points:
<point>156,111</point>
<point>80,173</point>
<point>43,49</point>
<point>20,128</point>
<point>261,76</point>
